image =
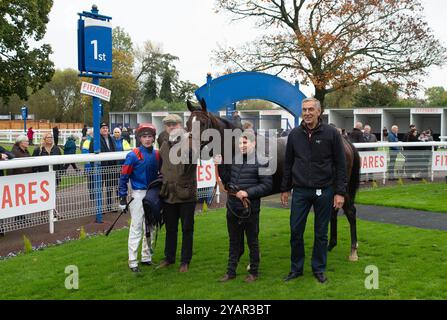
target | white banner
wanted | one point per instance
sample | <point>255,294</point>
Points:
<point>373,162</point>
<point>206,174</point>
<point>27,193</point>
<point>439,161</point>
<point>95,91</point>
<point>426,111</point>
<point>368,111</point>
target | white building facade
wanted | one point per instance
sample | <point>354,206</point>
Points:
<point>378,118</point>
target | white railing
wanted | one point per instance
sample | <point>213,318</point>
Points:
<point>76,194</point>
<point>403,163</point>
<point>10,136</point>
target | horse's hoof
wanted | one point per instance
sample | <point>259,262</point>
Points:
<point>330,247</point>
<point>353,258</point>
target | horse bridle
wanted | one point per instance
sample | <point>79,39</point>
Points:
<point>209,125</point>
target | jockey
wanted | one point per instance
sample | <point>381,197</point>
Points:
<point>141,167</point>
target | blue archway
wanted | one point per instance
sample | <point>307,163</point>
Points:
<point>229,89</point>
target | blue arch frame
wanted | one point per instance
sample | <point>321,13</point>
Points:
<point>229,89</point>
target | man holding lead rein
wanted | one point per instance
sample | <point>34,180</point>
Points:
<point>141,166</point>
<point>246,185</point>
<point>315,167</point>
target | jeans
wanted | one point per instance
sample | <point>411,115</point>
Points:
<point>302,201</point>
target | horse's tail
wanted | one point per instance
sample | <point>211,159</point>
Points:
<point>354,180</point>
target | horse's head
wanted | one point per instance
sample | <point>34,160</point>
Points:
<point>199,121</point>
<point>199,116</point>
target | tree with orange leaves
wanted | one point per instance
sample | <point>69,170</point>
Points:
<point>336,44</point>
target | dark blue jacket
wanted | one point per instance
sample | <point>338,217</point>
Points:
<point>315,159</point>
<point>141,166</point>
<point>246,176</point>
<point>393,138</point>
<point>70,147</point>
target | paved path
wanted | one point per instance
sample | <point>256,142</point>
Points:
<point>405,217</point>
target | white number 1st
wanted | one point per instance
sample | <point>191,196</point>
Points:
<point>95,49</point>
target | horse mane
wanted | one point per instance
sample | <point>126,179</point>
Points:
<point>228,124</point>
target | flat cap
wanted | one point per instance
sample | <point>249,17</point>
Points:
<point>172,118</point>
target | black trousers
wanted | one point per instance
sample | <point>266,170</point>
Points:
<point>172,214</point>
<point>236,230</point>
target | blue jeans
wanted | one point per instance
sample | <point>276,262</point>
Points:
<point>302,201</point>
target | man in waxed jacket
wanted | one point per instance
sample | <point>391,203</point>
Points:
<point>315,167</point>
<point>179,194</point>
<point>244,180</point>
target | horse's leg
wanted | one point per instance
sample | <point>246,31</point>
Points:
<point>351,213</point>
<point>333,237</point>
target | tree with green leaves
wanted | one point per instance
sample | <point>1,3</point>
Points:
<point>436,96</point>
<point>375,95</point>
<point>336,44</point>
<point>65,88</point>
<point>156,69</point>
<point>184,90</point>
<point>169,77</point>
<point>24,63</point>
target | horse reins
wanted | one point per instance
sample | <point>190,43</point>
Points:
<point>245,202</point>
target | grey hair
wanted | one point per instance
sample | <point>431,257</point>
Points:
<point>314,100</point>
<point>21,138</point>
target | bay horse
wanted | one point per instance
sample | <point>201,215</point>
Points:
<point>209,121</point>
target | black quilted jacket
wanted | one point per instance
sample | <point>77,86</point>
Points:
<point>246,176</point>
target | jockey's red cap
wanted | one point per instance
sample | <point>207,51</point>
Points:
<point>146,129</point>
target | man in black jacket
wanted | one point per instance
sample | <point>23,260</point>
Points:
<point>243,181</point>
<point>110,171</point>
<point>315,167</point>
<point>356,136</point>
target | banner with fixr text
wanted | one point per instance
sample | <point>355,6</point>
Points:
<point>373,162</point>
<point>27,193</point>
<point>439,161</point>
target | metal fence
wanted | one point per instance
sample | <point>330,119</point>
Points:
<point>76,193</point>
<point>410,160</point>
<point>9,136</point>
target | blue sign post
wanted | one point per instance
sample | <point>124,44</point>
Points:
<point>24,116</point>
<point>95,61</point>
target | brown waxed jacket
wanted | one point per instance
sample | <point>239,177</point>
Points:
<point>179,180</point>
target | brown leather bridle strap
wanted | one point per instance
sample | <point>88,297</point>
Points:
<point>245,201</point>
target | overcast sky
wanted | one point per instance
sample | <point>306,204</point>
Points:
<point>189,29</point>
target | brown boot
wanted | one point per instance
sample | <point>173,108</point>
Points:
<point>226,278</point>
<point>183,268</point>
<point>250,278</point>
<point>163,264</point>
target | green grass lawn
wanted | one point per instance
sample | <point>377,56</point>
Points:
<point>427,197</point>
<point>411,265</point>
